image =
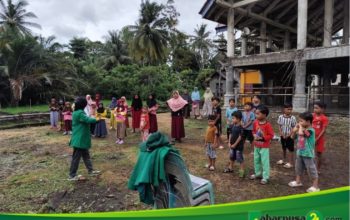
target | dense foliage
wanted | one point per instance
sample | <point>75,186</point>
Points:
<point>151,56</point>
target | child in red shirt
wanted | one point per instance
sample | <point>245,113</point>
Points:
<point>144,124</point>
<point>263,134</point>
<point>319,123</point>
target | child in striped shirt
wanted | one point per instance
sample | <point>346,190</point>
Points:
<point>286,122</point>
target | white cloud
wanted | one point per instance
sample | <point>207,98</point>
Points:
<point>93,18</point>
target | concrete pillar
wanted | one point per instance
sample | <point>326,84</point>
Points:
<point>230,33</point>
<point>299,98</point>
<point>346,23</point>
<point>263,37</point>
<point>230,54</point>
<point>244,45</point>
<point>286,43</point>
<point>229,85</point>
<point>302,24</point>
<point>328,22</point>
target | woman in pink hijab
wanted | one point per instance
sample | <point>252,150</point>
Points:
<point>176,104</point>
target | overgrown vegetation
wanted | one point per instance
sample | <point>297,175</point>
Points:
<point>151,55</point>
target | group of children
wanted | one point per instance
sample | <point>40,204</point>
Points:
<point>61,116</point>
<point>252,125</point>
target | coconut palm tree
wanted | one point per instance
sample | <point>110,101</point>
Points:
<point>150,34</point>
<point>201,44</point>
<point>115,51</point>
<point>14,16</point>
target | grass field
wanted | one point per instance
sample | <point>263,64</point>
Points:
<point>34,165</point>
<point>36,108</point>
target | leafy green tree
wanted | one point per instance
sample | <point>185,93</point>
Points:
<point>114,51</point>
<point>79,48</point>
<point>29,64</point>
<point>14,16</point>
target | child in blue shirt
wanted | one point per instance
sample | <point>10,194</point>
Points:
<point>229,111</point>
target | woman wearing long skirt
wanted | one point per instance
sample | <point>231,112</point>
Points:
<point>176,104</point>
<point>125,104</point>
<point>101,128</point>
<point>207,107</point>
<point>152,111</point>
<point>136,111</point>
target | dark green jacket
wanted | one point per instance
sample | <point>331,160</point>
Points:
<point>81,136</point>
<point>149,169</point>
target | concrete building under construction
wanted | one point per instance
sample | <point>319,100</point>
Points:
<point>301,45</point>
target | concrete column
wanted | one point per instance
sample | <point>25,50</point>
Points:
<point>244,45</point>
<point>230,54</point>
<point>286,43</point>
<point>346,23</point>
<point>229,85</point>
<point>230,33</point>
<point>328,22</point>
<point>302,24</point>
<point>263,37</point>
<point>299,98</point>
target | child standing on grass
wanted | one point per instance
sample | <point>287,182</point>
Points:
<point>211,142</point>
<point>144,124</point>
<point>247,123</point>
<point>53,107</point>
<point>231,109</point>
<point>217,113</point>
<point>101,127</point>
<point>81,140</point>
<point>263,134</point>
<point>319,123</point>
<point>236,144</point>
<point>305,152</point>
<point>60,114</point>
<point>286,122</point>
<point>67,117</point>
<point>120,116</point>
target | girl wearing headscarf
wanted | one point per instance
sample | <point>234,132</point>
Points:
<point>101,115</point>
<point>196,98</point>
<point>125,104</point>
<point>90,111</point>
<point>176,104</point>
<point>112,107</point>
<point>136,111</point>
<point>152,111</point>
<point>207,107</point>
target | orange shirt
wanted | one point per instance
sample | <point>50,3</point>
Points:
<point>210,134</point>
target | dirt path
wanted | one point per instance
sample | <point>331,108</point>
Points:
<point>34,165</point>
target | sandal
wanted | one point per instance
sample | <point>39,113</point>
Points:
<point>288,165</point>
<point>280,162</point>
<point>264,182</point>
<point>228,170</point>
<point>253,177</point>
<point>312,189</point>
<point>294,184</point>
<point>211,168</point>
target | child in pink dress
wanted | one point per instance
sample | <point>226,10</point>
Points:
<point>145,124</point>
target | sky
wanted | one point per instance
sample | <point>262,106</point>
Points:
<point>66,19</point>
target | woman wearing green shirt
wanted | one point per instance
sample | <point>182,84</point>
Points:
<point>81,140</point>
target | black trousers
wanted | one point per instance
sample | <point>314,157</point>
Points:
<point>77,154</point>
